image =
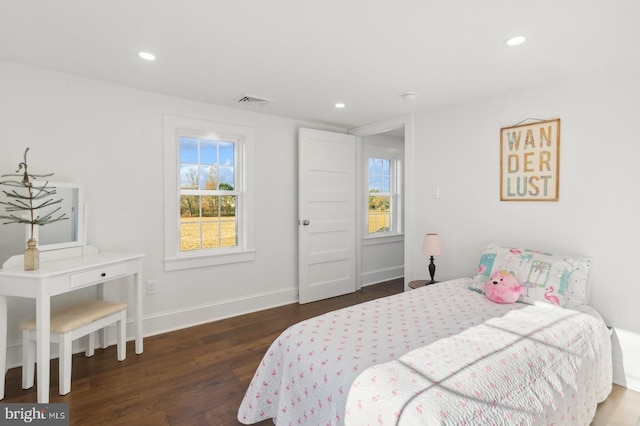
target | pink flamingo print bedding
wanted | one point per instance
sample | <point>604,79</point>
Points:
<point>540,365</point>
<point>305,376</point>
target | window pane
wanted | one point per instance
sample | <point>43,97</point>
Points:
<point>375,166</point>
<point>188,150</point>
<point>228,205</point>
<point>379,218</point>
<point>189,206</point>
<point>386,167</point>
<point>189,233</point>
<point>208,151</point>
<point>226,153</point>
<point>209,206</point>
<point>188,176</point>
<point>384,184</point>
<point>378,203</point>
<point>210,234</point>
<point>385,203</point>
<point>226,178</point>
<point>385,222</point>
<point>373,186</point>
<point>379,175</point>
<point>379,222</point>
<point>371,166</point>
<point>371,225</point>
<point>208,177</point>
<point>229,231</point>
<point>228,222</point>
<point>372,204</point>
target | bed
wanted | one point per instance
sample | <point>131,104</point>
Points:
<point>441,354</point>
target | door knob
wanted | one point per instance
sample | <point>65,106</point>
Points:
<point>305,222</point>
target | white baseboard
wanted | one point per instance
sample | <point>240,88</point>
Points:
<point>381,275</point>
<point>626,358</point>
<point>625,378</point>
<point>177,319</point>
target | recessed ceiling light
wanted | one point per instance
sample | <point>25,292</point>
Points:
<point>514,41</point>
<point>340,105</point>
<point>147,56</point>
<point>410,96</point>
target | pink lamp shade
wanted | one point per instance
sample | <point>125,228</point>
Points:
<point>432,245</point>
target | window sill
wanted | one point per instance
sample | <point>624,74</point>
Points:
<point>382,239</point>
<point>203,260</point>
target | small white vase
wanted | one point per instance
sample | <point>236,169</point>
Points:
<point>32,256</point>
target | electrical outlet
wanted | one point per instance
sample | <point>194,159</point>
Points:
<point>151,287</point>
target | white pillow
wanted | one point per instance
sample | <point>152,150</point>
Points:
<point>551,278</point>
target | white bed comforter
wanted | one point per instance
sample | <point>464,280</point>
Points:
<point>306,374</point>
<point>540,365</point>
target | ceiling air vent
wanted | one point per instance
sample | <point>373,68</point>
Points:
<point>247,99</point>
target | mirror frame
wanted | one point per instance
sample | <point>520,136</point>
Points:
<point>80,224</point>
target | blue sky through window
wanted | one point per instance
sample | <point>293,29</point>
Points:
<point>379,175</point>
<point>204,162</point>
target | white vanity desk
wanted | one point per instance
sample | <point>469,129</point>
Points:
<point>63,271</point>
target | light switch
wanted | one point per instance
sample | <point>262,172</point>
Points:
<point>436,192</point>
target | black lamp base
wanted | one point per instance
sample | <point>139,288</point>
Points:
<point>432,271</point>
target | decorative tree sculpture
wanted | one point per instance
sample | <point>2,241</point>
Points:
<point>29,198</point>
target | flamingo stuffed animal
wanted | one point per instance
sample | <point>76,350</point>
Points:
<point>502,287</point>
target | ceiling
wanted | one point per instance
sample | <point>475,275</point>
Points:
<point>307,55</point>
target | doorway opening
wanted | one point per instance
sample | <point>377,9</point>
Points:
<point>380,202</point>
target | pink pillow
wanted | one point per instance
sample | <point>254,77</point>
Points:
<point>502,287</point>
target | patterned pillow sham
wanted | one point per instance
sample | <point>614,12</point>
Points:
<point>560,280</point>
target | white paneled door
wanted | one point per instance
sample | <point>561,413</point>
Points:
<point>326,213</point>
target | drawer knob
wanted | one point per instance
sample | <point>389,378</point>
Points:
<point>104,274</point>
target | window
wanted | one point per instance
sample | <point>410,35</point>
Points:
<point>208,193</point>
<point>382,191</point>
<point>208,201</point>
<point>379,195</point>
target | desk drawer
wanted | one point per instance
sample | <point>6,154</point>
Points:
<point>98,275</point>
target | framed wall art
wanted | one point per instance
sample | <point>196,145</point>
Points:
<point>530,161</point>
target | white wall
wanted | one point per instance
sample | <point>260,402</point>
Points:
<point>457,149</point>
<point>110,139</point>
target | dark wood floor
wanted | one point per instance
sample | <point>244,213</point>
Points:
<point>195,376</point>
<point>198,376</point>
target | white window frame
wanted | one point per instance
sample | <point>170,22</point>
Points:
<point>174,258</point>
<point>394,155</point>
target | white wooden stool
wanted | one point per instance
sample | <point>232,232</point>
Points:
<point>68,325</point>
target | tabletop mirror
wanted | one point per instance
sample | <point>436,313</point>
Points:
<point>64,233</point>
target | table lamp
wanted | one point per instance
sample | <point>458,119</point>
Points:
<point>432,247</point>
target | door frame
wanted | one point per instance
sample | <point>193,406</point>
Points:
<point>405,121</point>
